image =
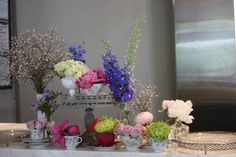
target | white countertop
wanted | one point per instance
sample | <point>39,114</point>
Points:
<point>21,151</point>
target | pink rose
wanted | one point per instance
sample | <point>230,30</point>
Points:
<point>135,132</point>
<point>141,128</point>
<point>143,118</point>
<point>127,130</point>
<point>73,130</point>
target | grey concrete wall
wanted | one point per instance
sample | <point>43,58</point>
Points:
<point>91,20</point>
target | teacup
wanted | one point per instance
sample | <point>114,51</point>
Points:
<point>36,134</point>
<point>72,141</point>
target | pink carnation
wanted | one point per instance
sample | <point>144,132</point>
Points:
<point>89,78</point>
<point>143,118</point>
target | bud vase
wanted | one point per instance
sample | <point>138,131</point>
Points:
<point>178,129</point>
<point>40,114</point>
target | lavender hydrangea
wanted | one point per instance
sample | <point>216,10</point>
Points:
<point>47,104</point>
<point>77,51</point>
<point>119,79</point>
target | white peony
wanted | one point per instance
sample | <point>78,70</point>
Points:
<point>179,109</point>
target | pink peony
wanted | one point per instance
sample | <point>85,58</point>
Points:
<point>73,130</point>
<point>166,104</point>
<point>143,118</point>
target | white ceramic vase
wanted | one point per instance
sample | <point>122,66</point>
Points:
<point>157,146</point>
<point>132,143</point>
<point>72,141</point>
<point>94,90</point>
<point>40,114</point>
<point>69,84</point>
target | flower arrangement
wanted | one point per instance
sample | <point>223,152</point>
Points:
<point>128,130</point>
<point>104,130</point>
<point>47,104</point>
<point>91,77</point>
<point>179,110</point>
<point>64,129</point>
<point>120,78</point>
<point>71,69</point>
<point>158,130</point>
<point>36,124</point>
<point>105,125</point>
<point>32,54</point>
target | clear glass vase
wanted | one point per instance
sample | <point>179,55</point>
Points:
<point>178,129</point>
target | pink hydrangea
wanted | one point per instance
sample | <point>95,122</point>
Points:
<point>143,118</point>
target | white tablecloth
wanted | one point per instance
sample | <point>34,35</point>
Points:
<point>86,152</point>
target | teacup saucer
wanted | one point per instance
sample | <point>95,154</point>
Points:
<point>100,148</point>
<point>29,140</point>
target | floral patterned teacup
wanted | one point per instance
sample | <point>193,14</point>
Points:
<point>36,134</point>
<point>72,141</point>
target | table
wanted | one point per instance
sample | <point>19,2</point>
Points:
<point>21,151</point>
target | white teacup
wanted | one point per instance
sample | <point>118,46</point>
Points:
<point>36,134</point>
<point>72,141</point>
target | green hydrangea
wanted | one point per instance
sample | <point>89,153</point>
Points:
<point>106,125</point>
<point>159,130</point>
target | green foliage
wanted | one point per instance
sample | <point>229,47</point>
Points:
<point>107,45</point>
<point>133,41</point>
<point>159,130</point>
<point>106,125</point>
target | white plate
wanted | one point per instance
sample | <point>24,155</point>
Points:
<point>29,140</point>
<point>37,146</point>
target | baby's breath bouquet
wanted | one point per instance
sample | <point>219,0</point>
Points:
<point>33,54</point>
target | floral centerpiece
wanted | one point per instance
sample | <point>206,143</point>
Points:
<point>180,111</point>
<point>158,133</point>
<point>67,136</point>
<point>71,70</point>
<point>92,81</point>
<point>131,136</point>
<point>33,54</point>
<point>121,79</point>
<point>104,130</point>
<point>47,105</point>
<point>37,128</point>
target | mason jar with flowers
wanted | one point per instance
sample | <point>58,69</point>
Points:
<point>131,136</point>
<point>104,130</point>
<point>67,136</point>
<point>158,133</point>
<point>180,111</point>
<point>37,129</point>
